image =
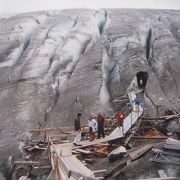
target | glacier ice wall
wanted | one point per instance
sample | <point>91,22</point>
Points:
<point>54,64</point>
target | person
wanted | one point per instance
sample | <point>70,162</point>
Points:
<point>92,123</point>
<point>77,127</point>
<point>101,122</point>
<point>137,103</point>
<point>140,83</point>
<point>120,117</point>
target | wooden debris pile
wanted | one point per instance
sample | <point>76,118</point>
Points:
<point>117,152</point>
<point>162,176</point>
<point>35,161</point>
<point>127,157</point>
<point>147,130</point>
<point>36,152</point>
<point>64,161</point>
<point>169,153</point>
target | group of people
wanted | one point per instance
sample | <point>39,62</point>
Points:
<point>94,124</point>
<point>97,124</point>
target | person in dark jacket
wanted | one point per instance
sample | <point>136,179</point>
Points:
<point>77,128</point>
<point>101,122</point>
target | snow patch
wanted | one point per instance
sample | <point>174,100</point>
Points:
<point>104,96</point>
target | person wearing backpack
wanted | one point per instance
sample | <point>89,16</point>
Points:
<point>137,102</point>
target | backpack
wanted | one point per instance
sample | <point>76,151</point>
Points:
<point>137,100</point>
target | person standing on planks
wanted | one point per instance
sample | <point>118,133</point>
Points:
<point>101,122</point>
<point>137,102</point>
<point>77,127</point>
<point>120,118</point>
<point>92,123</point>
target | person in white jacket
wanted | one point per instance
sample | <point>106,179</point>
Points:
<point>93,125</point>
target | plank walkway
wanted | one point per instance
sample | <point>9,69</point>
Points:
<point>68,165</point>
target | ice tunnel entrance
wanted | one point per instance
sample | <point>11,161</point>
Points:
<point>142,77</point>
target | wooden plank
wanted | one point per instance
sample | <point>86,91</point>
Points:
<point>82,168</point>
<point>162,118</point>
<point>42,167</point>
<point>76,166</point>
<point>63,165</point>
<point>174,147</point>
<point>165,153</point>
<point>51,129</point>
<point>139,152</point>
<point>172,144</point>
<point>165,161</point>
<point>100,171</point>
<point>171,116</point>
<point>58,135</point>
<point>73,167</point>
<point>83,151</point>
<point>99,177</point>
<point>26,162</point>
<point>96,141</point>
<point>102,144</point>
<point>168,178</point>
<point>52,160</point>
<point>153,118</point>
<point>64,175</point>
<point>57,169</point>
<point>66,149</point>
<point>169,141</point>
<point>127,140</point>
<point>149,137</point>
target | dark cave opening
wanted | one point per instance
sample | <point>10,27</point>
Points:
<point>142,77</point>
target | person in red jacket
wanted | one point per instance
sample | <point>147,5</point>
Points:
<point>120,117</point>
